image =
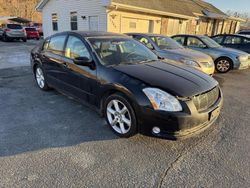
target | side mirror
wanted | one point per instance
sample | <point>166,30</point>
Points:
<point>84,61</point>
<point>202,46</point>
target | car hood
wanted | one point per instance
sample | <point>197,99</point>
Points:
<point>231,51</point>
<point>175,78</point>
<point>190,54</point>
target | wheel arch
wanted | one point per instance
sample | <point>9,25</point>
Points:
<point>224,56</point>
<point>35,64</point>
<point>117,90</point>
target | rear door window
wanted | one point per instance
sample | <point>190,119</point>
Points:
<point>246,41</point>
<point>14,26</point>
<point>180,40</point>
<point>232,40</point>
<point>194,42</point>
<point>56,44</point>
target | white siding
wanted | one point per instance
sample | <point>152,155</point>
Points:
<point>64,7</point>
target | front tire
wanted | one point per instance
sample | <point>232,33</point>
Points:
<point>5,38</point>
<point>40,78</point>
<point>223,65</point>
<point>120,116</point>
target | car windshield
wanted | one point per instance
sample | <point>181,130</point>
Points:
<point>30,29</point>
<point>114,51</point>
<point>166,43</point>
<point>210,42</point>
<point>14,26</point>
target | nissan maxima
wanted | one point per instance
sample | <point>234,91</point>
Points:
<point>136,91</point>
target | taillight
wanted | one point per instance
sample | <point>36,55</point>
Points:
<point>23,30</point>
<point>7,30</point>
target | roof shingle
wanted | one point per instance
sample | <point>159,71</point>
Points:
<point>180,7</point>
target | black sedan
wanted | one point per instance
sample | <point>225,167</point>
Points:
<point>128,84</point>
<point>233,41</point>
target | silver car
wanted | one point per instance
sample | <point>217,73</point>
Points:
<point>9,32</point>
<point>168,48</point>
<point>225,59</point>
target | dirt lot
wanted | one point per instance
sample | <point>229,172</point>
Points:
<point>49,140</point>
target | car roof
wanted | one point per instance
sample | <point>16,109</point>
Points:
<point>245,30</point>
<point>188,35</point>
<point>236,35</point>
<point>87,34</point>
<point>146,34</point>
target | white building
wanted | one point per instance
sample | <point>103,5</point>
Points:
<point>168,17</point>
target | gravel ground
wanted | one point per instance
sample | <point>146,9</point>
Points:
<point>50,140</point>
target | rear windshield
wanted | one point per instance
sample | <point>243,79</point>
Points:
<point>14,26</point>
<point>37,24</point>
<point>30,29</point>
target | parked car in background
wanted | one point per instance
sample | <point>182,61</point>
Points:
<point>39,28</point>
<point>225,59</point>
<point>9,32</point>
<point>131,87</point>
<point>168,48</point>
<point>245,33</point>
<point>233,41</point>
<point>32,33</point>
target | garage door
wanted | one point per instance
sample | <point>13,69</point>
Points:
<point>135,25</point>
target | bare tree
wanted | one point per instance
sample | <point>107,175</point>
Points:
<point>243,15</point>
<point>21,8</point>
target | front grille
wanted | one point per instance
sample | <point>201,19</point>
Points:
<point>204,101</point>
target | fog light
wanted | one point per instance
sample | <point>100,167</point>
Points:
<point>156,130</point>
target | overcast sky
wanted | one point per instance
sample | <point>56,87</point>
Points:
<point>235,5</point>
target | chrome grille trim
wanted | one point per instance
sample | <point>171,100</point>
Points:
<point>205,101</point>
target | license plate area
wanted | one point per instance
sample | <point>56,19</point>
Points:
<point>214,114</point>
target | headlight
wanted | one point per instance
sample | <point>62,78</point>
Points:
<point>243,58</point>
<point>208,64</point>
<point>161,100</point>
<point>190,62</point>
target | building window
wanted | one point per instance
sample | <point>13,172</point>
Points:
<point>73,21</point>
<point>54,22</point>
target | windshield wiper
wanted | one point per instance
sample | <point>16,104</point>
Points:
<point>146,61</point>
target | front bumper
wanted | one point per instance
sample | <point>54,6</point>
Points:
<point>178,125</point>
<point>208,70</point>
<point>241,64</point>
<point>19,35</point>
<point>244,65</point>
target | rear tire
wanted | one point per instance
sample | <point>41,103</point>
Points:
<point>120,115</point>
<point>223,65</point>
<point>41,78</point>
<point>24,40</point>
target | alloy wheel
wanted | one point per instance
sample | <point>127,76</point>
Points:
<point>223,65</point>
<point>40,78</point>
<point>119,116</point>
